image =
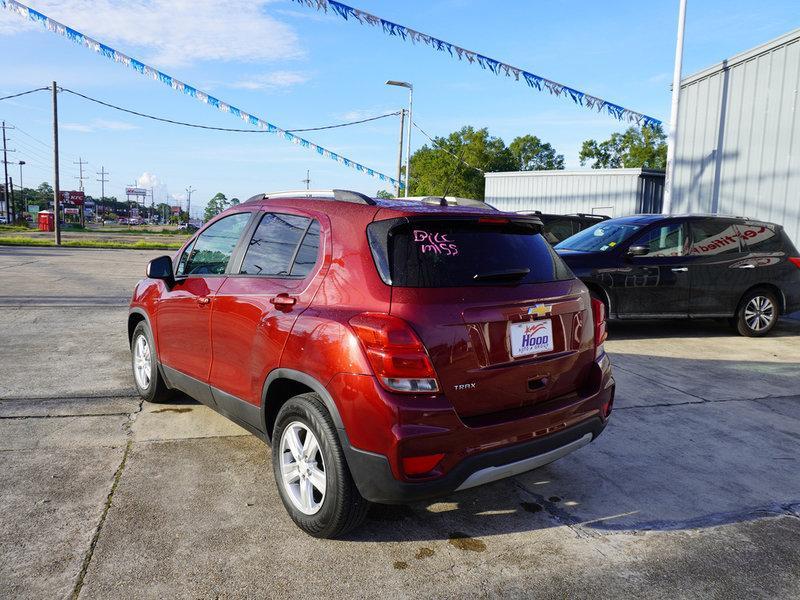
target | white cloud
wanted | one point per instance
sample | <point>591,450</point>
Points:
<point>150,181</point>
<point>173,32</point>
<point>98,125</point>
<point>272,81</point>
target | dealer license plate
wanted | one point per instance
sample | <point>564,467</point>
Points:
<point>531,337</point>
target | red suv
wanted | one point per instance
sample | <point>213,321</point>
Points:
<point>389,351</point>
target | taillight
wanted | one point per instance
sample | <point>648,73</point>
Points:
<point>795,261</point>
<point>395,353</point>
<point>599,316</point>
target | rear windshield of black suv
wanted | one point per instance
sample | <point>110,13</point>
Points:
<point>461,253</point>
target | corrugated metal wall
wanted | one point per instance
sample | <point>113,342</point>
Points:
<point>738,146</point>
<point>613,192</point>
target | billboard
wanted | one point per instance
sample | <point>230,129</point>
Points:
<point>135,191</point>
<point>73,197</point>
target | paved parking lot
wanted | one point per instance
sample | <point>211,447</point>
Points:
<point>692,491</point>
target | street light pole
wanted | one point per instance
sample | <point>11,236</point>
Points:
<point>400,151</point>
<point>21,187</point>
<point>410,89</point>
<point>674,112</point>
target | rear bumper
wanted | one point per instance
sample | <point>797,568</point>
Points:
<point>375,481</point>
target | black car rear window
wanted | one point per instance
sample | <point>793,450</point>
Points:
<point>448,253</point>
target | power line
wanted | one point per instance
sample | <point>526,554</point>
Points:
<point>41,89</point>
<point>229,129</point>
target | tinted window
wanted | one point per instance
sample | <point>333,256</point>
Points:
<point>211,251</point>
<point>307,255</point>
<point>459,254</point>
<point>557,230</point>
<point>273,245</point>
<point>760,238</point>
<point>600,237</point>
<point>713,236</point>
<point>667,240</point>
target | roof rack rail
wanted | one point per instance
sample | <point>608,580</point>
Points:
<point>590,216</point>
<point>339,195</point>
<point>448,201</point>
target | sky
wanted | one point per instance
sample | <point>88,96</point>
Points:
<point>297,68</point>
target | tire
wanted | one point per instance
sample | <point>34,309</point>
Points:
<point>144,362</point>
<point>757,313</point>
<point>327,513</point>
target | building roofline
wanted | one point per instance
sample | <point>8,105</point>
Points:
<point>736,59</point>
<point>577,172</point>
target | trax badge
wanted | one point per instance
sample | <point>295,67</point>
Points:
<point>540,310</point>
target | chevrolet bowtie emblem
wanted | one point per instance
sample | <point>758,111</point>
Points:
<point>540,310</point>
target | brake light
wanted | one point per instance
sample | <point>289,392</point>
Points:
<point>397,356</point>
<point>599,316</point>
<point>418,465</point>
<point>795,261</point>
<point>496,220</point>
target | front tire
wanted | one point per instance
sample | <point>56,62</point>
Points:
<point>149,383</point>
<point>757,313</point>
<point>311,472</point>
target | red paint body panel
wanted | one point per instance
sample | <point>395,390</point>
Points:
<point>487,399</point>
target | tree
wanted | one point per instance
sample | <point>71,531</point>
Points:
<point>216,205</point>
<point>636,147</point>
<point>383,194</point>
<point>455,164</point>
<point>531,154</point>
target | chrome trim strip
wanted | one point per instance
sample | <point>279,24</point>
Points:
<point>490,474</point>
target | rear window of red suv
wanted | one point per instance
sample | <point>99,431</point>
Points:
<point>461,253</point>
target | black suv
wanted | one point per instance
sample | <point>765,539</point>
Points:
<point>559,227</point>
<point>650,266</point>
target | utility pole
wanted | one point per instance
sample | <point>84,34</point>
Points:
<point>56,191</point>
<point>80,162</point>
<point>103,181</point>
<point>152,203</point>
<point>400,152</point>
<point>21,187</point>
<point>189,191</point>
<point>674,112</point>
<point>9,209</point>
<point>307,180</point>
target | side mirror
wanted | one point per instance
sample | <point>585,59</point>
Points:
<point>161,268</point>
<point>638,250</point>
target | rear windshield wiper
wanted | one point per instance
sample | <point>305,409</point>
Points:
<point>506,275</point>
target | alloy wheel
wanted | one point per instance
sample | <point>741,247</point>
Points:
<point>759,313</point>
<point>302,468</point>
<point>142,367</point>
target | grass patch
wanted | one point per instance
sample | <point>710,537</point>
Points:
<point>14,228</point>
<point>138,245</point>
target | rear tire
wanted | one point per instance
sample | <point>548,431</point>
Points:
<point>146,376</point>
<point>757,313</point>
<point>306,453</point>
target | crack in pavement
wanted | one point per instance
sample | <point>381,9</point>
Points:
<point>656,381</point>
<point>760,400</point>
<point>126,393</point>
<point>87,559</point>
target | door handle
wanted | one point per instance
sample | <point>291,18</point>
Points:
<point>747,266</point>
<point>283,301</point>
<point>680,269</point>
<point>203,300</point>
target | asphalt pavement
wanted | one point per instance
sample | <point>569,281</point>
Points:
<point>692,490</point>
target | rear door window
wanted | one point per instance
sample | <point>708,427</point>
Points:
<point>557,230</point>
<point>277,243</point>
<point>759,237</point>
<point>212,250</point>
<point>452,253</point>
<point>713,237</point>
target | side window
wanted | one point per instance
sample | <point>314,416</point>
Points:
<point>308,252</point>
<point>759,237</point>
<point>272,250</point>
<point>558,230</point>
<point>714,236</point>
<point>211,251</point>
<point>667,240</point>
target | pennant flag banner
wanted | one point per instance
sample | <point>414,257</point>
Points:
<point>185,88</point>
<point>495,66</point>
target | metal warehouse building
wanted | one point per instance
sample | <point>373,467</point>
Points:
<point>612,192</point>
<point>738,149</point>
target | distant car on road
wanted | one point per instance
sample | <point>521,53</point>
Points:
<point>190,227</point>
<point>3,220</point>
<point>389,350</point>
<point>557,228</point>
<point>653,266</point>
